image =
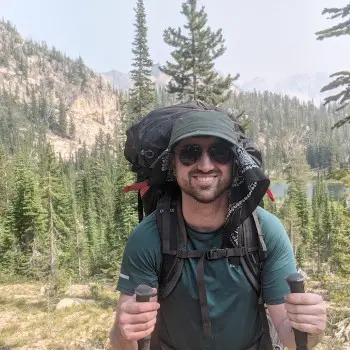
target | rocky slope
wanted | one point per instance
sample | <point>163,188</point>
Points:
<point>33,72</point>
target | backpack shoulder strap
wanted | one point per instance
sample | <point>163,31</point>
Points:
<point>252,264</point>
<point>252,239</point>
<point>173,237</point>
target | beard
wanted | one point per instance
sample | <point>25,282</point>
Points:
<point>202,192</point>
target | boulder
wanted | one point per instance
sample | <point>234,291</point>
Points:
<point>68,302</point>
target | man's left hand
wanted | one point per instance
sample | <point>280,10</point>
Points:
<point>306,312</point>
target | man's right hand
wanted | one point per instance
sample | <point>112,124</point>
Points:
<point>136,320</point>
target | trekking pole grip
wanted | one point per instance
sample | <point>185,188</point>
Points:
<point>296,283</point>
<point>143,294</point>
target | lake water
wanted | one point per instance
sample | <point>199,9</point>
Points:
<point>335,190</point>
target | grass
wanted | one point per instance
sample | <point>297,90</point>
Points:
<point>29,320</point>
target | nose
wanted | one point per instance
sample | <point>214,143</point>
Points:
<point>205,163</point>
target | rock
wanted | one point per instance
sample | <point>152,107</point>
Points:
<point>68,302</point>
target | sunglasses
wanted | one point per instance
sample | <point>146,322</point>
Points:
<point>192,153</point>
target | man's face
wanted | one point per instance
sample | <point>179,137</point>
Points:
<point>203,167</point>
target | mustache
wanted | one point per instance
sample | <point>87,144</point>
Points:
<point>200,172</point>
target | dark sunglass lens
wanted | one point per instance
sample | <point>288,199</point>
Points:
<point>220,153</point>
<point>190,154</point>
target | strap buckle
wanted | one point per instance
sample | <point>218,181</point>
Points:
<point>181,253</point>
<point>216,253</point>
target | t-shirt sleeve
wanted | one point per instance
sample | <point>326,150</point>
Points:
<point>141,259</point>
<point>280,261</point>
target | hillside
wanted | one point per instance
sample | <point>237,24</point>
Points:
<point>305,87</point>
<point>68,94</point>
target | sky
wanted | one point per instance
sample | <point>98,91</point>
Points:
<point>271,39</point>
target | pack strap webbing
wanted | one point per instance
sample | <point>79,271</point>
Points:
<point>266,341</point>
<point>212,254</point>
<point>263,248</point>
<point>254,278</point>
<point>203,300</point>
<point>139,207</point>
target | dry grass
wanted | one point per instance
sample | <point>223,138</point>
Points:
<point>29,320</point>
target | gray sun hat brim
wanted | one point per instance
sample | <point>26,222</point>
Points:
<point>204,123</point>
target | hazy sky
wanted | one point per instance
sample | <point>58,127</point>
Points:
<point>271,39</point>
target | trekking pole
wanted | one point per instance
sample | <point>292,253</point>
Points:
<point>296,285</point>
<point>143,294</point>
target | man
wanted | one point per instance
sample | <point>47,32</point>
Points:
<point>219,183</point>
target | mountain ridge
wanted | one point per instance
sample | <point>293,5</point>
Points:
<point>57,87</point>
<point>304,86</point>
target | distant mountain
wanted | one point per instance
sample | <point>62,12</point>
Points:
<point>305,87</point>
<point>118,79</point>
<point>258,84</point>
<point>123,81</point>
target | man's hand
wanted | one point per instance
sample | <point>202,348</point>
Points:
<point>306,312</point>
<point>137,320</point>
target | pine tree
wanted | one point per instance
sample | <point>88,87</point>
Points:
<point>71,130</point>
<point>341,242</point>
<point>62,119</point>
<point>294,211</point>
<point>323,226</point>
<point>74,259</point>
<point>125,212</point>
<point>57,207</point>
<point>193,75</point>
<point>34,116</point>
<point>327,227</point>
<point>25,220</point>
<point>142,95</point>
<point>44,111</point>
<point>342,78</point>
<point>5,180</point>
<point>85,198</point>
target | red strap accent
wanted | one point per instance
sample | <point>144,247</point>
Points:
<point>144,190</point>
<point>136,186</point>
<point>270,194</point>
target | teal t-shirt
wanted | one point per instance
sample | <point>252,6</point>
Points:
<point>232,301</point>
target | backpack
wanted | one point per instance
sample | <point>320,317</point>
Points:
<point>145,142</point>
